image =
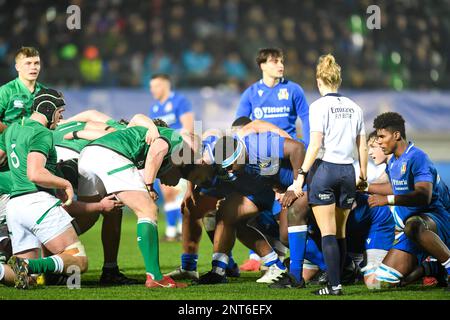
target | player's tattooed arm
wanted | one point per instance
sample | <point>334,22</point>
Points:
<point>380,188</point>
<point>260,126</point>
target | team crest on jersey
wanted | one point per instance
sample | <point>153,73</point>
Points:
<point>168,107</point>
<point>155,108</point>
<point>283,94</point>
<point>403,169</point>
<point>18,104</point>
<point>260,92</point>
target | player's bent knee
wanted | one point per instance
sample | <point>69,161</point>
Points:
<point>414,226</point>
<point>78,251</point>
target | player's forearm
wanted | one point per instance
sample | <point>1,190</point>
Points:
<point>380,188</point>
<point>46,179</point>
<point>414,199</point>
<point>80,207</point>
<point>89,134</point>
<point>296,156</point>
<point>152,165</point>
<point>2,127</point>
<point>310,157</point>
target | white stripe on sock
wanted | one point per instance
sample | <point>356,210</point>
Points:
<point>146,220</point>
<point>446,264</point>
<point>270,257</point>
<point>302,228</point>
<point>59,264</point>
<point>222,257</point>
<point>2,271</point>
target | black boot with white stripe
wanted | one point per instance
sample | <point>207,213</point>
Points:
<point>329,291</point>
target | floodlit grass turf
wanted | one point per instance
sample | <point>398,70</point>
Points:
<point>243,288</point>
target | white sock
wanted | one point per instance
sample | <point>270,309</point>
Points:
<point>171,231</point>
<point>269,258</point>
<point>220,263</point>
<point>179,227</point>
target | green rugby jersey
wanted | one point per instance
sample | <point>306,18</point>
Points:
<point>5,181</point>
<point>74,144</point>
<point>116,124</point>
<point>131,144</point>
<point>16,101</point>
<point>18,141</point>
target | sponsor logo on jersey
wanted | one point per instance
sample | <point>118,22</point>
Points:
<point>260,93</point>
<point>403,170</point>
<point>283,94</point>
<point>18,104</point>
<point>258,113</point>
<point>368,240</point>
<point>168,107</point>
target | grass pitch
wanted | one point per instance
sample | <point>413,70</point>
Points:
<point>243,288</point>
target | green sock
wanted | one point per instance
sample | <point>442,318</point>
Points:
<point>51,264</point>
<point>147,236</point>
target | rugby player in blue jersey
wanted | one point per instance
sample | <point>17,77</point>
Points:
<point>273,98</point>
<point>176,110</point>
<point>418,196</point>
<point>273,160</point>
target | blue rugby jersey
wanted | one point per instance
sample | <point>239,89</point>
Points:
<point>171,110</point>
<point>411,167</point>
<point>280,105</point>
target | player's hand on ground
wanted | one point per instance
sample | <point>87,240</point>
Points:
<point>109,203</point>
<point>377,200</point>
<point>288,199</point>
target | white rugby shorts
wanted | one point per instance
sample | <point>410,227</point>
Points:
<point>102,171</point>
<point>35,218</point>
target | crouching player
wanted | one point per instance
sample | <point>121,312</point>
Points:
<point>125,152</point>
<point>418,197</point>
<point>34,214</point>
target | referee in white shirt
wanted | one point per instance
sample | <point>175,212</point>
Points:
<point>337,127</point>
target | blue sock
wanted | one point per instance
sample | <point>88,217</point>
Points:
<point>189,261</point>
<point>179,216</point>
<point>332,259</point>
<point>231,261</point>
<point>171,217</point>
<point>297,246</point>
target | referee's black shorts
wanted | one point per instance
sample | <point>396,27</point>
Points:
<point>330,183</point>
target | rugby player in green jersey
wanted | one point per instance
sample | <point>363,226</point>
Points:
<point>70,138</point>
<point>35,215</point>
<point>122,154</point>
<point>16,96</point>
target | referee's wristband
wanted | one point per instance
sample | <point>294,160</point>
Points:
<point>391,199</point>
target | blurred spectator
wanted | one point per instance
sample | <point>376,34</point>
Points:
<point>234,67</point>
<point>199,38</point>
<point>196,61</point>
<point>91,65</point>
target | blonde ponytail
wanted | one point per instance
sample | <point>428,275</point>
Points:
<point>329,71</point>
